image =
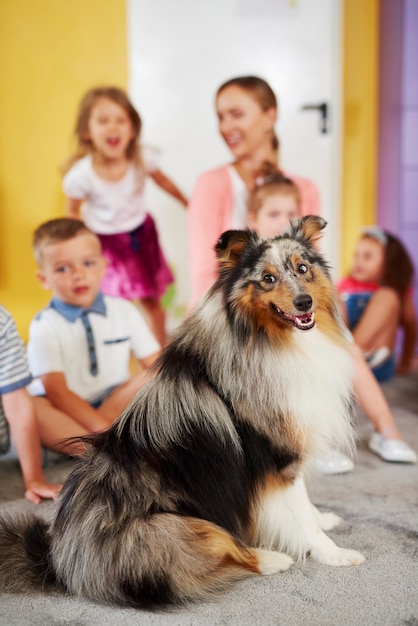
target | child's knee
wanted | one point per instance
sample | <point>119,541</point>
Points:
<point>388,298</point>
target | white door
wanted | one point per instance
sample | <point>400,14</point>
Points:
<point>180,51</point>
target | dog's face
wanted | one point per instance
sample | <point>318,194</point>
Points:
<point>281,282</point>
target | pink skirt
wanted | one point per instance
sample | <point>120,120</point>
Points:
<point>137,268</point>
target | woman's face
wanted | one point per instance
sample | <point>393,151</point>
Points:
<point>243,125</point>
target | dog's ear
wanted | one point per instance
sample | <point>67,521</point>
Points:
<point>230,246</point>
<point>309,228</point>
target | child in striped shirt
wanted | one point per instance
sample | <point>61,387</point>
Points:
<point>17,413</point>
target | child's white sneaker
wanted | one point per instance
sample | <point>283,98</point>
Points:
<point>377,357</point>
<point>393,450</point>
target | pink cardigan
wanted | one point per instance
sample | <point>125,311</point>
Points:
<point>210,214</point>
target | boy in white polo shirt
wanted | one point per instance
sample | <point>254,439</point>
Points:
<point>80,345</point>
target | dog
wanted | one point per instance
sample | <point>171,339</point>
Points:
<point>200,481</point>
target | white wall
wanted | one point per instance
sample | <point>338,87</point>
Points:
<point>180,52</point>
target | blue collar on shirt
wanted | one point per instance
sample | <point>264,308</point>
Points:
<point>72,313</point>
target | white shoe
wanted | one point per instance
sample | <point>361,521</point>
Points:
<point>334,462</point>
<point>392,450</point>
<point>377,357</point>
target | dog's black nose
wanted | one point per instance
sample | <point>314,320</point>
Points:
<point>303,302</point>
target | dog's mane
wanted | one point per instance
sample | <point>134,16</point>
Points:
<point>209,371</point>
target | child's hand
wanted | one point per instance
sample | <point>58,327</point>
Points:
<point>37,491</point>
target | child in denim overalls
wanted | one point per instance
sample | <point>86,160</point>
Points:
<point>377,299</point>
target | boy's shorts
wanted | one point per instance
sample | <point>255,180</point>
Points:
<point>97,402</point>
<point>4,431</point>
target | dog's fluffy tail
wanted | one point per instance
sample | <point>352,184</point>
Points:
<point>24,555</point>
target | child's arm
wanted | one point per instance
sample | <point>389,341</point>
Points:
<point>73,208</point>
<point>148,361</point>
<point>20,414</point>
<point>409,325</point>
<point>147,370</point>
<point>167,184</point>
<point>72,404</point>
<point>123,395</point>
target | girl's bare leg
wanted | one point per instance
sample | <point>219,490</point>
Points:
<point>371,397</point>
<point>378,324</point>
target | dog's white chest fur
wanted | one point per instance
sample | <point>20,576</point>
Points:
<point>319,387</point>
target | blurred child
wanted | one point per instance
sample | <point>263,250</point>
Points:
<point>272,204</point>
<point>377,298</point>
<point>107,176</point>
<point>17,412</point>
<point>80,345</point>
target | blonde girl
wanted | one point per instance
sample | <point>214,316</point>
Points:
<point>104,183</point>
<point>274,202</point>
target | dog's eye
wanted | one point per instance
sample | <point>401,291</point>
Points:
<point>302,268</point>
<point>269,279</point>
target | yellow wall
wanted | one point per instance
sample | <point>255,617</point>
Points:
<point>360,72</point>
<point>51,51</point>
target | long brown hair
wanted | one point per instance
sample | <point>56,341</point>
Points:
<point>261,92</point>
<point>84,145</point>
<point>398,269</point>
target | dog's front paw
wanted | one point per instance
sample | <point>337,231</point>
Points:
<point>270,562</point>
<point>329,520</point>
<point>338,557</point>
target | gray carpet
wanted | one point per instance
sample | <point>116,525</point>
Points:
<point>379,503</point>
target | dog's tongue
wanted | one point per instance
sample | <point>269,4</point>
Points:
<point>305,318</point>
<point>305,321</point>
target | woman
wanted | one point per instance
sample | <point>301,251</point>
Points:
<point>246,107</point>
<point>247,111</point>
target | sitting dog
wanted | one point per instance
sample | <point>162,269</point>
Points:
<point>200,481</point>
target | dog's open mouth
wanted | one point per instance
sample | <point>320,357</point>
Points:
<point>304,322</point>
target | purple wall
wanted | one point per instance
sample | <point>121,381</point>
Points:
<point>408,219</point>
<point>389,98</point>
<point>397,193</point>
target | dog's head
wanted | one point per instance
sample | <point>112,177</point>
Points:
<point>276,283</point>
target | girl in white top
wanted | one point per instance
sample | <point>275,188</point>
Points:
<point>104,185</point>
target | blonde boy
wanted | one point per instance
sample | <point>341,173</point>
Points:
<point>80,345</point>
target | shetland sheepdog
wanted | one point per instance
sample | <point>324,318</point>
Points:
<point>200,482</point>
